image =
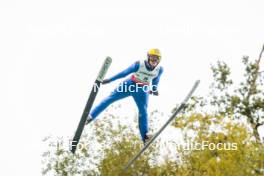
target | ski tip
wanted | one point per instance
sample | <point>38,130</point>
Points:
<point>108,58</point>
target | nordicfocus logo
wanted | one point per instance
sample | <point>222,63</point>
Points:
<point>124,87</point>
<point>206,145</point>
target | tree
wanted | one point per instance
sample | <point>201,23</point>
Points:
<point>228,149</point>
<point>114,144</point>
<point>243,101</point>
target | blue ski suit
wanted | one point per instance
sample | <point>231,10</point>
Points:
<point>140,95</point>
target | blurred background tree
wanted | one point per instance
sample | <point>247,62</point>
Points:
<point>244,101</point>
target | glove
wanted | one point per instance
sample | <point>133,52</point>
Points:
<point>155,93</point>
<point>106,81</point>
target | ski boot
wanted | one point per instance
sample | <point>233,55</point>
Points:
<point>147,138</point>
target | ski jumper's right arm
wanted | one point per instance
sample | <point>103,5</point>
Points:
<point>131,69</point>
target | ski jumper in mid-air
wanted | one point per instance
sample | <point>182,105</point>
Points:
<point>144,81</point>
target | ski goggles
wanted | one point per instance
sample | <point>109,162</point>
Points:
<point>154,58</point>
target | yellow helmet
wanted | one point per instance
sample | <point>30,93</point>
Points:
<point>155,52</point>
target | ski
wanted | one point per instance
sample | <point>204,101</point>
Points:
<point>182,106</point>
<point>89,103</point>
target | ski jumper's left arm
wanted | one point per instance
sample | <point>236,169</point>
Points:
<point>155,81</point>
<point>133,68</point>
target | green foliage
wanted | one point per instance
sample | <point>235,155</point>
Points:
<point>247,159</point>
<point>240,156</point>
<point>221,73</point>
<point>113,143</point>
<point>242,101</point>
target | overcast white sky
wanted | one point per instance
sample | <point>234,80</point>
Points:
<point>51,51</point>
